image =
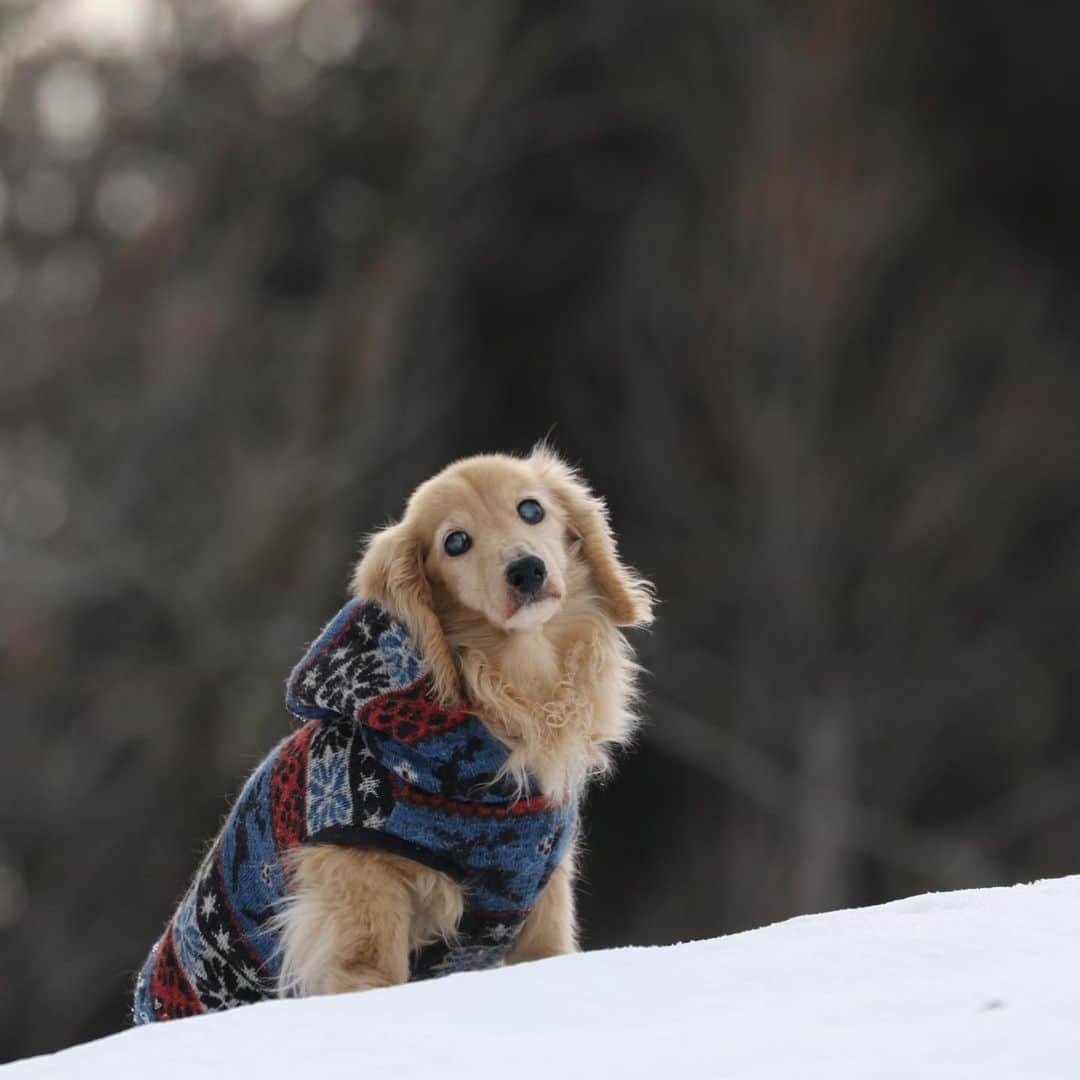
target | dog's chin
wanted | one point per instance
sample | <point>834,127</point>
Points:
<point>534,613</point>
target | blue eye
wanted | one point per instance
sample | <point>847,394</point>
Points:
<point>457,542</point>
<point>530,511</point>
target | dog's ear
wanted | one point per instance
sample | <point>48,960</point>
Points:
<point>391,572</point>
<point>628,596</point>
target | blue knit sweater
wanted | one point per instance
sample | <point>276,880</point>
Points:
<point>377,764</point>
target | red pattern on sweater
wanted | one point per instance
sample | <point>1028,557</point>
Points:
<point>288,791</point>
<point>169,984</point>
<point>410,716</point>
<point>536,805</point>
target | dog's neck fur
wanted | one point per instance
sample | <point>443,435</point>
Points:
<point>559,695</point>
<point>534,659</point>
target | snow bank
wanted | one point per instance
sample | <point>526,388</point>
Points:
<point>980,984</point>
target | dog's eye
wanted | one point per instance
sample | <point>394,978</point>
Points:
<point>531,511</point>
<point>457,542</point>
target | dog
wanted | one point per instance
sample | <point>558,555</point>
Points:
<point>502,597</point>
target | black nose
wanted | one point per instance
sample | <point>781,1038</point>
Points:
<point>526,575</point>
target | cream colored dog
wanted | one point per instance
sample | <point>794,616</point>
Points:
<point>505,572</point>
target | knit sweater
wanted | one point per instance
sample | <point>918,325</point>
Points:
<point>377,764</point>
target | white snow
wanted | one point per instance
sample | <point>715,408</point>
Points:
<point>982,984</point>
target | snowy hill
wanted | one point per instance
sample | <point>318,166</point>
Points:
<point>980,984</point>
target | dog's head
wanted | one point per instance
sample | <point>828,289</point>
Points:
<point>510,540</point>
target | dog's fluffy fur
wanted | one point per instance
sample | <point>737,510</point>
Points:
<point>553,678</point>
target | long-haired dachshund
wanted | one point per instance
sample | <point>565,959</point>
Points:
<point>456,710</point>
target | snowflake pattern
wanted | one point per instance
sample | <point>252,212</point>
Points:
<point>345,665</point>
<point>328,791</point>
<point>186,934</point>
<point>403,662</point>
<point>368,787</point>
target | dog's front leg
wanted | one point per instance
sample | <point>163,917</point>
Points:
<point>348,922</point>
<point>551,928</point>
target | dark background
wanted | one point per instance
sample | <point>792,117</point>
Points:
<point>794,284</point>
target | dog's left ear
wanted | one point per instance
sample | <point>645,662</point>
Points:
<point>627,595</point>
<point>391,572</point>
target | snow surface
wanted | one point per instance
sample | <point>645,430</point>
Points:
<point>980,984</point>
